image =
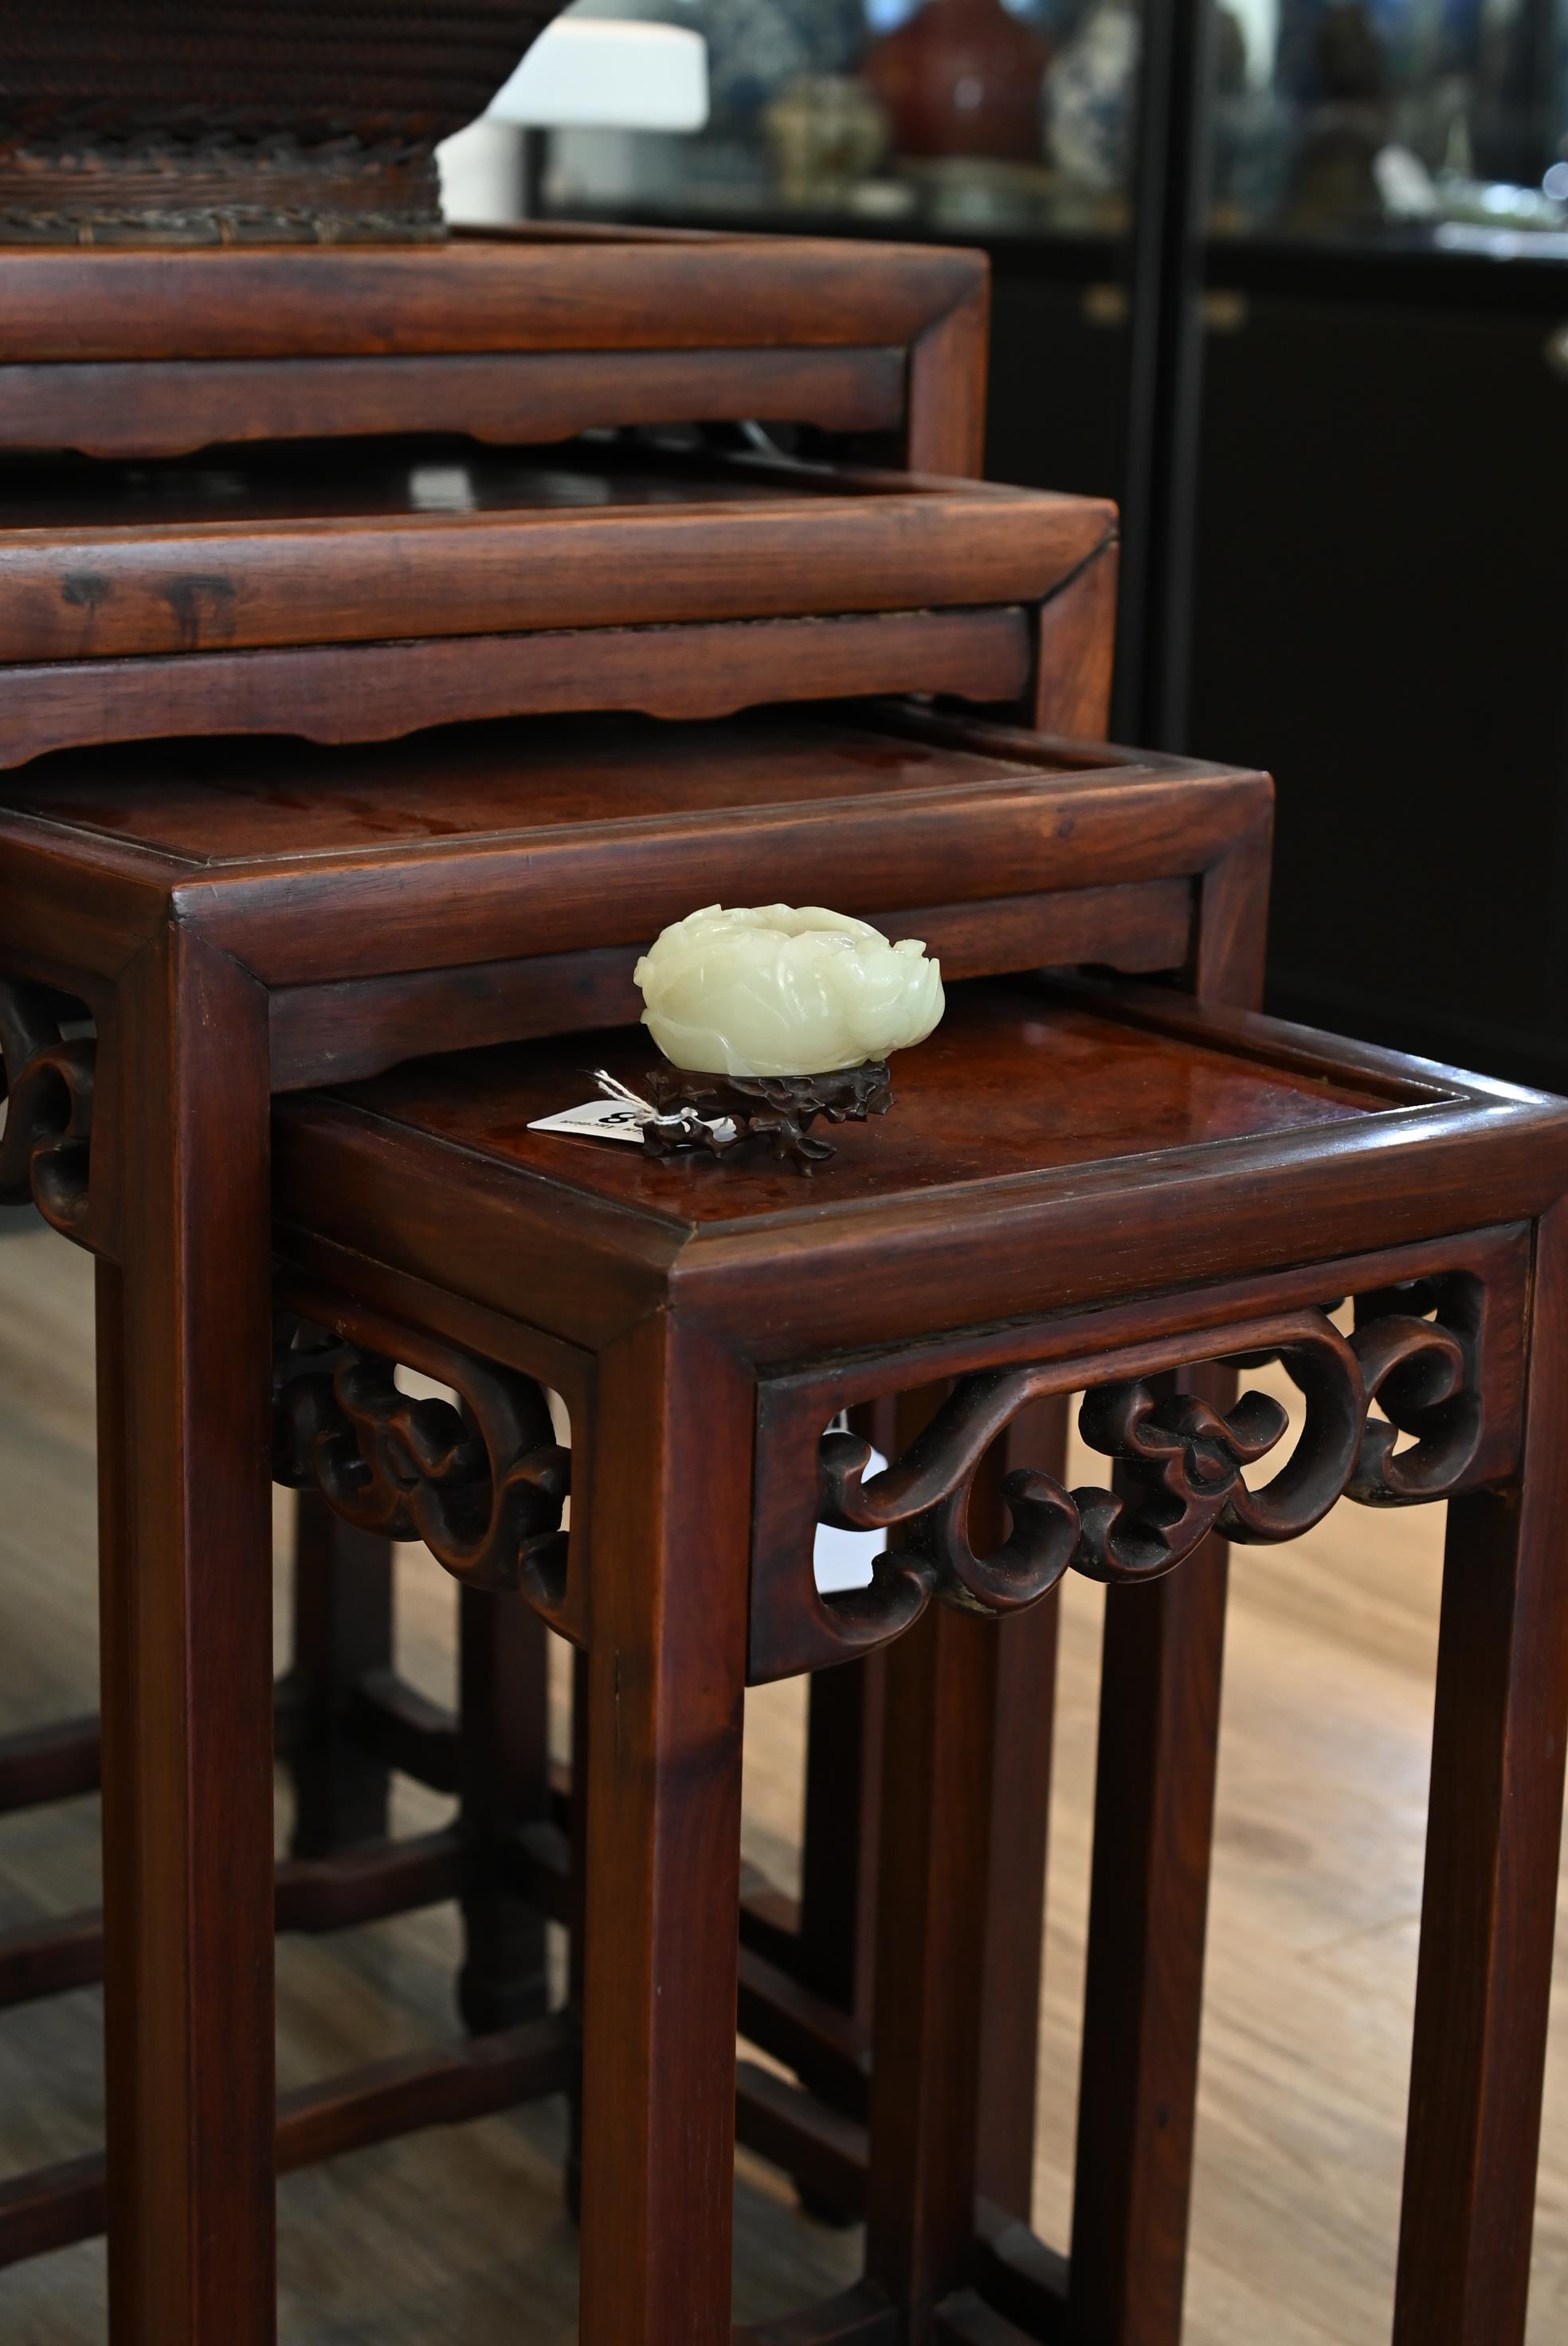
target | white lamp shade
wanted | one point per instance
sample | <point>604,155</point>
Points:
<point>608,73</point>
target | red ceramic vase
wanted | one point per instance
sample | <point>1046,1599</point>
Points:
<point>962,77</point>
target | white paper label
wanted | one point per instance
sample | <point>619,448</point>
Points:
<point>614,1119</point>
<point>596,1119</point>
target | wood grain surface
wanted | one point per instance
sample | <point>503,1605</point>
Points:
<point>490,292</point>
<point>517,335</point>
<point>372,692</point>
<point>149,408</point>
<point>1260,1132</point>
<point>121,563</point>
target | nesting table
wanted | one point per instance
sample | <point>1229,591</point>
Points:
<point>869,355</point>
<point>386,588</point>
<point>1105,1189</point>
<point>242,921</point>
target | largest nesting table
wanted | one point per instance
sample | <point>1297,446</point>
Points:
<point>241,921</point>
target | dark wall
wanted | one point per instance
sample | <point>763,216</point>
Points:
<point>1380,618</point>
<point>1380,600</point>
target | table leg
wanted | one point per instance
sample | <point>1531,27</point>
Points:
<point>667,1663</point>
<point>186,1636</point>
<point>838,1842</point>
<point>1488,1906</point>
<point>1025,1715</point>
<point>836,1951</point>
<point>342,1632</point>
<point>577,1930</point>
<point>844,1765</point>
<point>930,1951</point>
<point>505,1784</point>
<point>1149,1909</point>
<point>840,1877</point>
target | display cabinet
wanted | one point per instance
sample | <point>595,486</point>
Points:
<point>1305,315</point>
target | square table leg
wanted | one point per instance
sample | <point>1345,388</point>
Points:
<point>1154,1816</point>
<point>839,1838</point>
<point>504,1766</point>
<point>1488,1906</point>
<point>186,1636</point>
<point>1025,1711</point>
<point>666,1668</point>
<point>342,1633</point>
<point>1158,1751</point>
<point>844,1791</point>
<point>934,1859</point>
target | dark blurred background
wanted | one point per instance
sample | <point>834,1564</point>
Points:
<point>1290,279</point>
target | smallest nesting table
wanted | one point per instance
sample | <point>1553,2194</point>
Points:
<point>1112,1191</point>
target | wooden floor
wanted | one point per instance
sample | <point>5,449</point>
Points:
<point>460,2236</point>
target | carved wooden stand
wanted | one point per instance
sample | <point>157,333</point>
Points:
<point>727,1114</point>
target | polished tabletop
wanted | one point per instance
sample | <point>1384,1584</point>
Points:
<point>1016,1080</point>
<point>224,802</point>
<point>371,480</point>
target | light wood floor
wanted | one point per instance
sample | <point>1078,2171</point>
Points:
<point>459,2236</point>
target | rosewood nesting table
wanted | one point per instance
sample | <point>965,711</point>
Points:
<point>1097,1188</point>
<point>862,354</point>
<point>515,335</point>
<point>241,920</point>
<point>390,585</point>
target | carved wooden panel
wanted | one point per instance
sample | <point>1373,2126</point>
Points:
<point>47,1081</point>
<point>1183,1468</point>
<point>480,1480</point>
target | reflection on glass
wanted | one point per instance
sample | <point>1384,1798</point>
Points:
<point>1442,120</point>
<point>1355,117</point>
<point>961,114</point>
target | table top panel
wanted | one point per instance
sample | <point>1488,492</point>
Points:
<point>1057,1144</point>
<point>541,286</point>
<point>1016,1081</point>
<point>236,801</point>
<point>368,482</point>
<point>443,539</point>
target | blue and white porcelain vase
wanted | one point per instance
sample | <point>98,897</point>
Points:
<point>1091,90</point>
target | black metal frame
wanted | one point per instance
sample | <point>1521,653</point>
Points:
<point>1165,370</point>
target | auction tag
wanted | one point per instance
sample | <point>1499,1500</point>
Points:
<point>596,1119</point>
